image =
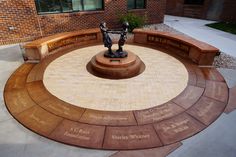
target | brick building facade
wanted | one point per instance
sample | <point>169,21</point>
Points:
<point>221,10</point>
<point>20,22</point>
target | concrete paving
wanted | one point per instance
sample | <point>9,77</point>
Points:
<point>219,139</point>
<point>229,75</point>
<point>196,28</point>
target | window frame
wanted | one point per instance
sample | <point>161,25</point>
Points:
<point>200,4</point>
<point>135,4</point>
<point>37,5</point>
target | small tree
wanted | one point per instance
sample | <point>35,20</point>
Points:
<point>134,20</point>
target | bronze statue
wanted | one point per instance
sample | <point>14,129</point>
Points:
<point>123,36</point>
<point>108,42</point>
<point>106,39</point>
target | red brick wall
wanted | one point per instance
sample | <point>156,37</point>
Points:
<point>19,14</point>
<point>22,15</point>
<point>174,7</point>
<point>178,8</point>
<point>229,11</point>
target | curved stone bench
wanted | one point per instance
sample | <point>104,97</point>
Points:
<point>39,49</point>
<point>199,52</point>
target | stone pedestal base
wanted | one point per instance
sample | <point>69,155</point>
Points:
<point>116,68</point>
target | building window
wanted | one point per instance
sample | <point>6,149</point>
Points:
<point>136,4</point>
<point>59,6</point>
<point>194,2</point>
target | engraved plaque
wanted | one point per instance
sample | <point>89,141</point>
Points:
<point>192,79</point>
<point>201,82</point>
<point>18,78</point>
<point>184,47</point>
<point>132,137</point>
<point>16,82</point>
<point>37,91</point>
<point>173,43</point>
<point>108,118</point>
<point>79,134</point>
<point>24,69</point>
<point>217,90</point>
<point>212,74</point>
<point>189,96</point>
<point>177,128</point>
<point>71,40</point>
<point>154,39</point>
<point>39,120</point>
<point>61,108</point>
<point>207,110</point>
<point>18,100</point>
<point>158,113</point>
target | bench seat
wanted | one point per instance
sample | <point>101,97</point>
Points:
<point>199,52</point>
<point>39,49</point>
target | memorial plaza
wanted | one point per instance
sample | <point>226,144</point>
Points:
<point>117,78</point>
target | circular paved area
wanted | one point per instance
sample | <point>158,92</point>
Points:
<point>196,107</point>
<point>68,79</point>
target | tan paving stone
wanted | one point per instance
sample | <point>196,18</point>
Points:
<point>163,79</point>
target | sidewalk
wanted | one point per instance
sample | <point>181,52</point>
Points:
<point>196,28</point>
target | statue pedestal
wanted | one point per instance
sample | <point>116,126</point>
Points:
<point>116,68</point>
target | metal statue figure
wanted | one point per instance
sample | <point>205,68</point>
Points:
<point>106,38</point>
<point>123,36</point>
<point>108,42</point>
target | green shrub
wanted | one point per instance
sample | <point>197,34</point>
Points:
<point>134,21</point>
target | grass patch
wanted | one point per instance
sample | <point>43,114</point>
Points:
<point>224,26</point>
